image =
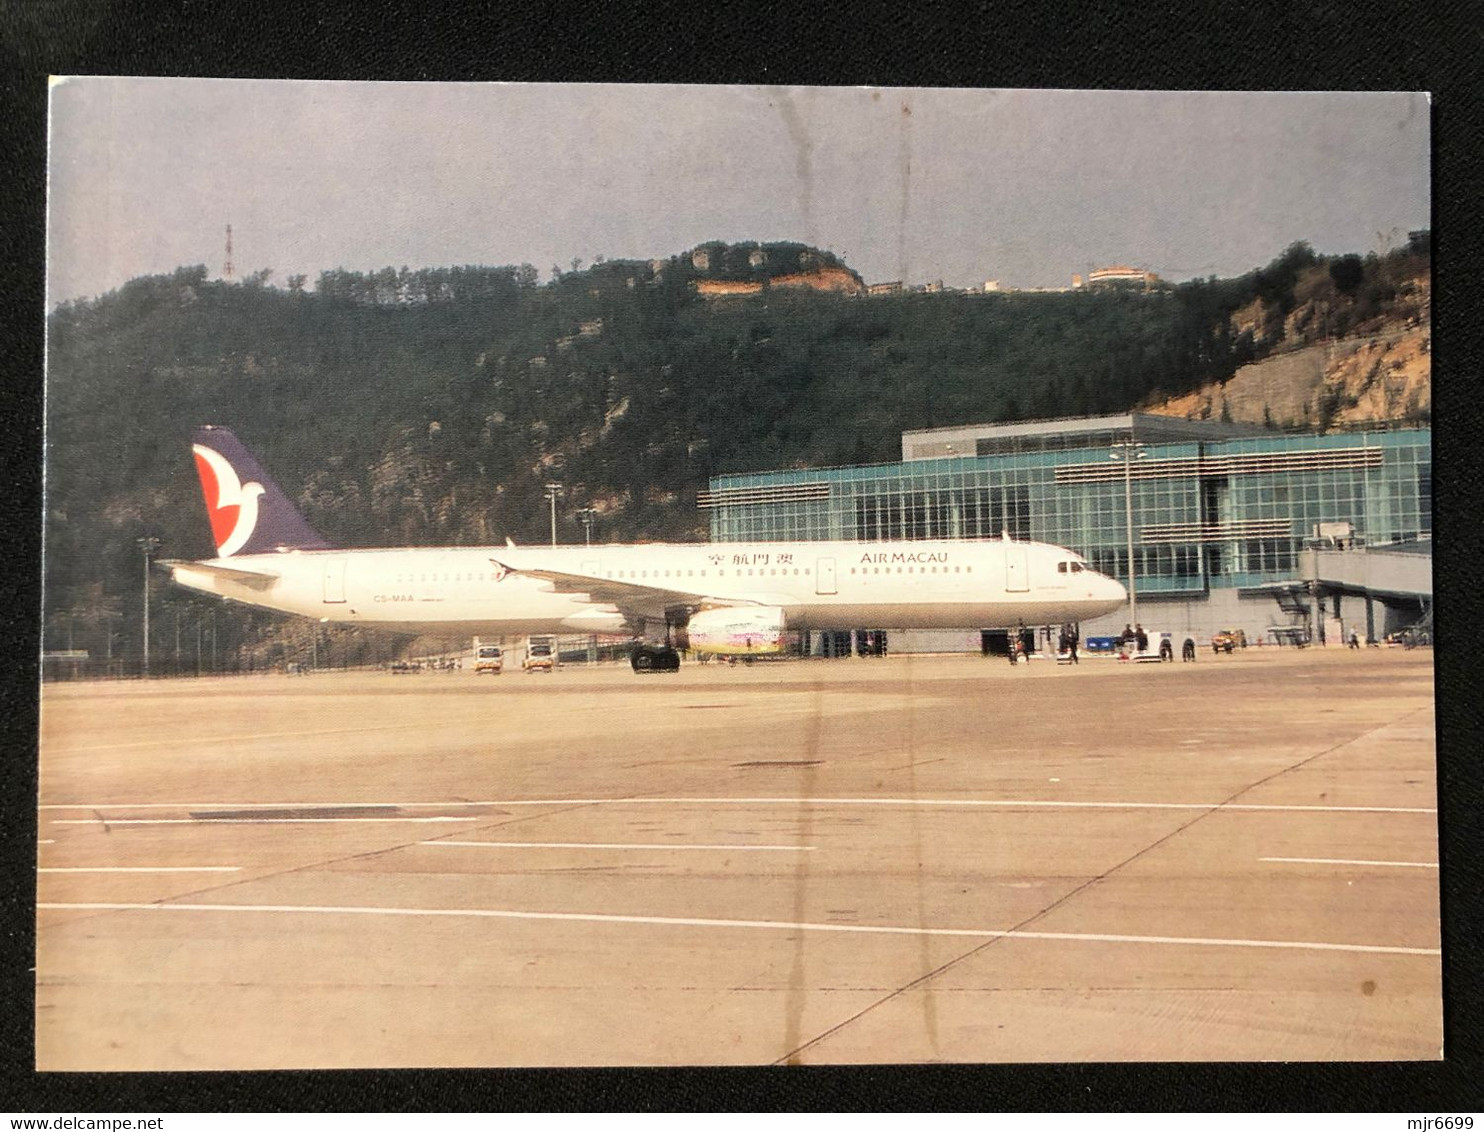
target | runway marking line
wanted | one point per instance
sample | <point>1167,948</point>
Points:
<point>768,925</point>
<point>621,845</point>
<point>208,739</point>
<point>1341,861</point>
<point>1026,803</point>
<point>163,868</point>
<point>238,821</point>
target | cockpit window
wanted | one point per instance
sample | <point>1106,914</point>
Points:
<point>1077,567</point>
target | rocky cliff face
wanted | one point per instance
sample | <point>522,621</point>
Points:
<point>833,279</point>
<point>1382,373</point>
<point>836,279</point>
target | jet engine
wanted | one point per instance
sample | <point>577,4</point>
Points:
<point>737,631</point>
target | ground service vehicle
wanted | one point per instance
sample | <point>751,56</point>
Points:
<point>1229,639</point>
<point>488,658</point>
<point>539,657</point>
<point>1160,647</point>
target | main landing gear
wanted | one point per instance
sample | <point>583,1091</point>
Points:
<point>655,658</point>
<point>658,653</point>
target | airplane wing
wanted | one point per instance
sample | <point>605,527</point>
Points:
<point>258,579</point>
<point>631,598</point>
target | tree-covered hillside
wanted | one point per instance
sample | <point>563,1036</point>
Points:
<point>431,406</point>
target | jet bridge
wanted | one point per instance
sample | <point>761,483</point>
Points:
<point>1376,572</point>
<point>1399,576</point>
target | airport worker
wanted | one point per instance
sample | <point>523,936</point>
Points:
<point>1354,639</point>
<point>1187,650</point>
<point>1072,635</point>
<point>1141,638</point>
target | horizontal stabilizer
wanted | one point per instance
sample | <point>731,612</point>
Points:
<point>258,579</point>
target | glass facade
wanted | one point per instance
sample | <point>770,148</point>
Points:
<point>1206,514</point>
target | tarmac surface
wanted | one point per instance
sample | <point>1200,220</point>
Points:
<point>910,859</point>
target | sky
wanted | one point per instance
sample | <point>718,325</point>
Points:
<point>1026,187</point>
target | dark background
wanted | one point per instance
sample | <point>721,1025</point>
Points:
<point>1264,44</point>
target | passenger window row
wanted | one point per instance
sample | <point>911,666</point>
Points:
<point>915,570</point>
<point>634,574</point>
<point>461,577</point>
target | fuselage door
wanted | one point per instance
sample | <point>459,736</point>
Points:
<point>335,579</point>
<point>1017,575</point>
<point>824,576</point>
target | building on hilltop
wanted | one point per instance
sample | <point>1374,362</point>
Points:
<point>1119,276</point>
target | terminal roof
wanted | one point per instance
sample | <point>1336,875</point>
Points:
<point>1063,433</point>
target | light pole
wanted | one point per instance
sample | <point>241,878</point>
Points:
<point>586,515</point>
<point>148,546</point>
<point>552,491</point>
<point>107,617</point>
<point>1128,451</point>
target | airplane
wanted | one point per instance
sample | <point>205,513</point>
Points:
<point>716,598</point>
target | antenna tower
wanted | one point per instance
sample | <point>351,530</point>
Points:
<point>227,270</point>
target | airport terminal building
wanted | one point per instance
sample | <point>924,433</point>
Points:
<point>1233,526</point>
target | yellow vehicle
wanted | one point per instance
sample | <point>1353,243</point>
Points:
<point>1228,639</point>
<point>488,658</point>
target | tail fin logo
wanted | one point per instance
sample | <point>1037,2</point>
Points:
<point>231,504</point>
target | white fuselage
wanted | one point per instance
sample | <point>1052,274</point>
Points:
<point>818,585</point>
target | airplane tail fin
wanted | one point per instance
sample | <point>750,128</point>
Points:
<point>249,513</point>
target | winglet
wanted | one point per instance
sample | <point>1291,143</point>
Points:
<point>510,542</point>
